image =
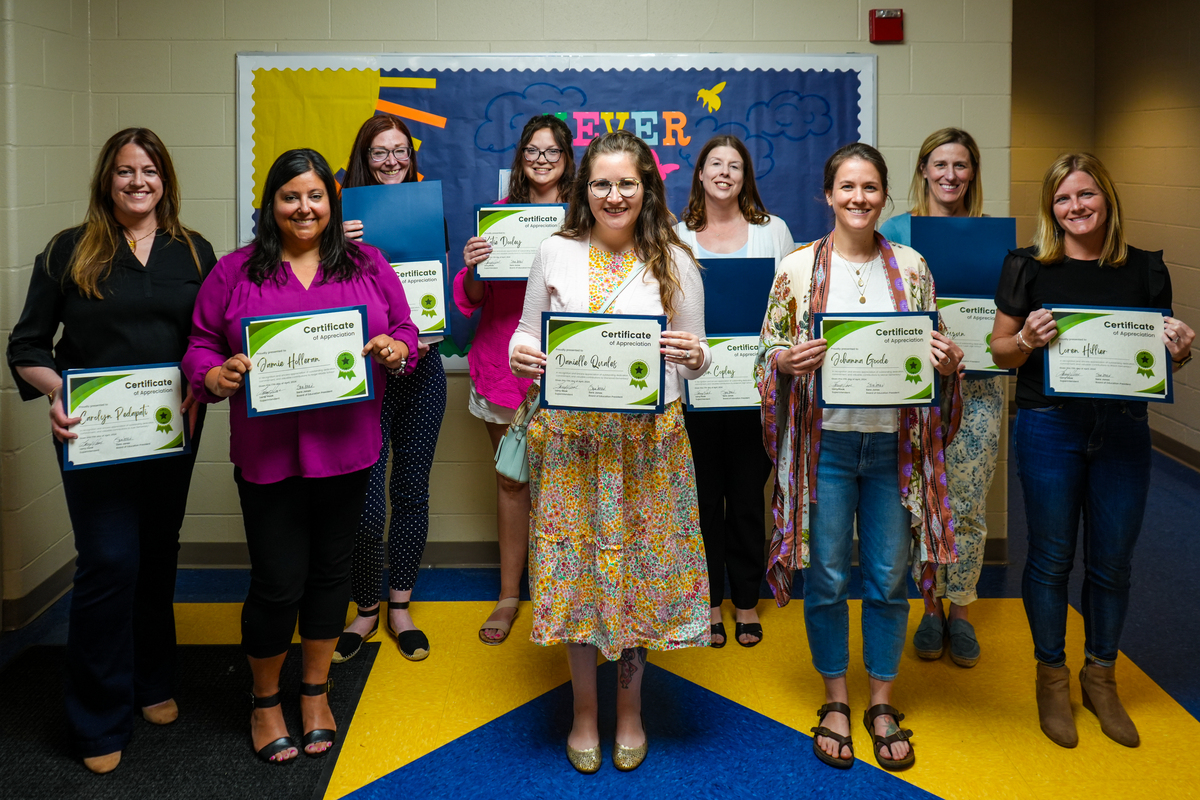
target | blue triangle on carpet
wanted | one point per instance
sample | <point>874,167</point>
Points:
<point>748,754</point>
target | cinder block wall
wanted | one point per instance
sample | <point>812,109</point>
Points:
<point>169,65</point>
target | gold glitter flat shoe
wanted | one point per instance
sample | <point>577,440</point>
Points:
<point>586,761</point>
<point>629,758</point>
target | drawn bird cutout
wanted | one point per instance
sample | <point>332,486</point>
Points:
<point>710,97</point>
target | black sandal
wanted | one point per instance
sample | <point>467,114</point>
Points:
<point>268,752</point>
<point>717,629</point>
<point>843,741</point>
<point>901,735</point>
<point>349,643</point>
<point>749,629</point>
<point>317,735</point>
<point>413,645</point>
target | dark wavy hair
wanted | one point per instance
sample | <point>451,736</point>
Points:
<point>339,261</point>
<point>358,170</point>
<point>750,204</point>
<point>654,234</point>
<point>518,181</point>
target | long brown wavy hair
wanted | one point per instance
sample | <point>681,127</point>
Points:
<point>654,235</point>
<point>358,171</point>
<point>518,181</point>
<point>1048,239</point>
<point>750,204</point>
<point>92,260</point>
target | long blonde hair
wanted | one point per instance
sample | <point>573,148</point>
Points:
<point>1048,239</point>
<point>654,234</point>
<point>92,260</point>
<point>918,192</point>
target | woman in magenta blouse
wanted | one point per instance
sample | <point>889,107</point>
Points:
<point>301,476</point>
<point>543,170</point>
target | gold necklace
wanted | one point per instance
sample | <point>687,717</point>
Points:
<point>862,282</point>
<point>134,242</point>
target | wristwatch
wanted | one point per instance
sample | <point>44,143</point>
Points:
<point>1183,361</point>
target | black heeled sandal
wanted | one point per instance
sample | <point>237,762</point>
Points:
<point>349,643</point>
<point>413,645</point>
<point>268,752</point>
<point>717,629</point>
<point>317,735</point>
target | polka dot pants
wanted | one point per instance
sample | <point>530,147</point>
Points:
<point>413,406</point>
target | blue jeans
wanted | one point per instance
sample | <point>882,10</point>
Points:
<point>1089,459</point>
<point>857,475</point>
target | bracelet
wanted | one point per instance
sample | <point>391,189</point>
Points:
<point>398,370</point>
<point>1183,362</point>
<point>1021,341</point>
<point>51,394</point>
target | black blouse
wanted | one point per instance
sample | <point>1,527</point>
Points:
<point>144,318</point>
<point>1026,285</point>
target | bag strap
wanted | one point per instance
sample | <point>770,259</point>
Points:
<point>612,298</point>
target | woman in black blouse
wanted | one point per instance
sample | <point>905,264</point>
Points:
<point>122,285</point>
<point>1079,456</point>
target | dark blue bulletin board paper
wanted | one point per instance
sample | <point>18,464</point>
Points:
<point>735,293</point>
<point>965,254</point>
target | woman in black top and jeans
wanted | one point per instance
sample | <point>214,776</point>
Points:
<point>122,285</point>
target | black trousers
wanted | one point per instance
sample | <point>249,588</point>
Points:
<point>300,532</point>
<point>731,469</point>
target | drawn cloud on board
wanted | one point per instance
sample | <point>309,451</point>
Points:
<point>791,115</point>
<point>761,149</point>
<point>507,113</point>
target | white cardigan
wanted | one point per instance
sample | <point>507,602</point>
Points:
<point>558,281</point>
<point>772,239</point>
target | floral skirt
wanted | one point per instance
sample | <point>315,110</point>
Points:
<point>616,559</point>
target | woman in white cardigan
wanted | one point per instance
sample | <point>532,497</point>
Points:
<point>616,561</point>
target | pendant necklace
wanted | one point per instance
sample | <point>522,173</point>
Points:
<point>857,268</point>
<point>134,242</point>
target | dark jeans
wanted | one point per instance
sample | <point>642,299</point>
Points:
<point>1089,459</point>
<point>300,532</point>
<point>121,639</point>
<point>731,470</point>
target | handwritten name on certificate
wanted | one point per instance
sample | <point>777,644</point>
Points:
<point>729,382</point>
<point>424,285</point>
<point>514,232</point>
<point>877,360</point>
<point>304,361</point>
<point>968,320</point>
<point>1108,352</point>
<point>125,414</point>
<point>602,362</point>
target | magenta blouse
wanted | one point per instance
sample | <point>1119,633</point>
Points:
<point>313,444</point>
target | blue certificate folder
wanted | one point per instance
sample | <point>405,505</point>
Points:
<point>735,293</point>
<point>358,345</point>
<point>965,254</point>
<point>1169,377</point>
<point>406,221</point>
<point>77,380</point>
<point>935,397</point>
<point>662,364</point>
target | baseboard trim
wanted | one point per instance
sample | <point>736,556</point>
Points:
<point>1176,449</point>
<point>214,555</point>
<point>20,611</point>
<point>461,554</point>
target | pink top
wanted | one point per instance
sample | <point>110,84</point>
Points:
<point>488,358</point>
<point>316,443</point>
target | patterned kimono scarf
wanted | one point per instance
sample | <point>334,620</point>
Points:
<point>792,426</point>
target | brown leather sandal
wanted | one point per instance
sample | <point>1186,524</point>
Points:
<point>842,741</point>
<point>880,742</point>
<point>500,625</point>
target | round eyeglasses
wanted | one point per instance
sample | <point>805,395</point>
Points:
<point>626,187</point>
<point>552,154</point>
<point>401,154</point>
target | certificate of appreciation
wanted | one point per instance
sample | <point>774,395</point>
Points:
<point>968,320</point>
<point>304,361</point>
<point>1116,353</point>
<point>877,360</point>
<point>126,414</point>
<point>729,382</point>
<point>424,285</point>
<point>514,232</point>
<point>603,362</point>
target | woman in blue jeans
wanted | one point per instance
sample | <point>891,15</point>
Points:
<point>881,465</point>
<point>1076,458</point>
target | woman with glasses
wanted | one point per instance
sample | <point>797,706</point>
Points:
<point>725,218</point>
<point>617,562</point>
<point>543,169</point>
<point>413,406</point>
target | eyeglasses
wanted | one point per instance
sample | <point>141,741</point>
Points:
<point>551,155</point>
<point>402,154</point>
<point>626,187</point>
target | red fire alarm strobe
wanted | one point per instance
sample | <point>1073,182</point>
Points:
<point>886,25</point>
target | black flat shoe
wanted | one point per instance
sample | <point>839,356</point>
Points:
<point>413,645</point>
<point>349,643</point>
<point>268,752</point>
<point>717,629</point>
<point>317,735</point>
<point>749,629</point>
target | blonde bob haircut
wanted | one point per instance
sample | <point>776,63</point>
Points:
<point>1048,239</point>
<point>919,191</point>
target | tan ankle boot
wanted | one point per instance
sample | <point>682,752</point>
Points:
<point>1054,705</point>
<point>1099,686</point>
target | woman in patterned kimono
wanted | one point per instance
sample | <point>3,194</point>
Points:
<point>836,465</point>
<point>616,561</point>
